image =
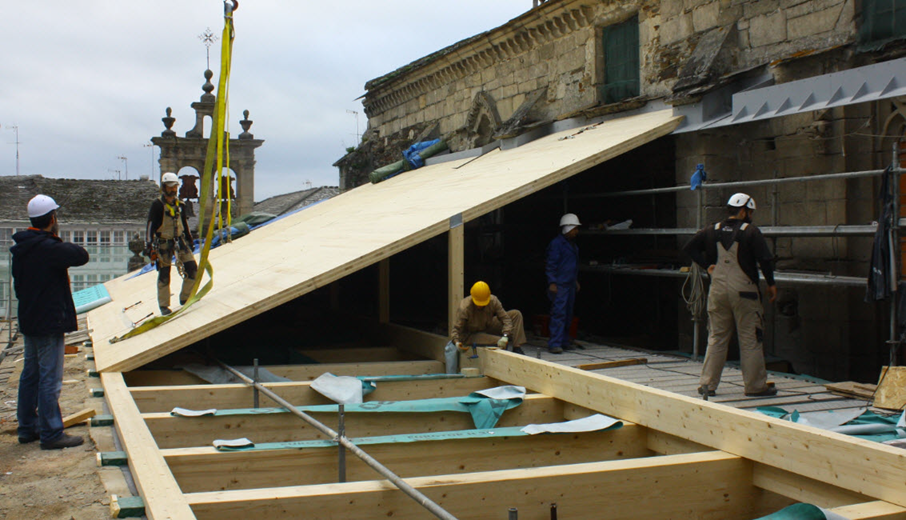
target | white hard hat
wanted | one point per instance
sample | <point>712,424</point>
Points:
<point>739,200</point>
<point>570,219</point>
<point>169,178</point>
<point>41,205</point>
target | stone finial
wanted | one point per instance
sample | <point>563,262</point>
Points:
<point>208,87</point>
<point>246,124</point>
<point>168,123</point>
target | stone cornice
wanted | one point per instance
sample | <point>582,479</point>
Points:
<point>548,22</point>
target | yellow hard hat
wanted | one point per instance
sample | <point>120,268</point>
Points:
<point>481,294</point>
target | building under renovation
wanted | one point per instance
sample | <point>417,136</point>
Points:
<point>767,90</point>
<point>228,408</point>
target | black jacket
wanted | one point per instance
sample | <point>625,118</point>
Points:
<point>753,251</point>
<point>41,279</point>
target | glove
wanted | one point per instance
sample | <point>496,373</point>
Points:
<point>460,347</point>
<point>502,342</point>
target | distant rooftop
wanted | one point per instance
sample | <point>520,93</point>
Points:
<point>80,200</point>
<point>280,204</point>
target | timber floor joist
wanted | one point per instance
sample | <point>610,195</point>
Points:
<point>674,457</point>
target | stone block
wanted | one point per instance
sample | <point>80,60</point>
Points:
<point>760,7</point>
<point>797,8</point>
<point>547,51</point>
<point>767,29</point>
<point>728,14</point>
<point>676,29</point>
<point>814,23</point>
<point>808,247</point>
<point>422,101</point>
<point>508,91</point>
<point>705,16</point>
<point>691,5</point>
<point>488,74</point>
<point>826,190</point>
<point>671,9</point>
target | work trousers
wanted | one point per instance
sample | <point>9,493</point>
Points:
<point>164,261</point>
<point>494,332</point>
<point>562,303</point>
<point>38,408</point>
<point>734,304</point>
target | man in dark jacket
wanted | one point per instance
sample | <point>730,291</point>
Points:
<point>46,311</point>
<point>562,271</point>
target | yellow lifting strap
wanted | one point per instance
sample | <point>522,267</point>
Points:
<point>218,144</point>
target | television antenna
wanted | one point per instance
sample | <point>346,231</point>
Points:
<point>117,172</point>
<point>356,114</point>
<point>125,164</point>
<point>15,128</point>
<point>151,146</point>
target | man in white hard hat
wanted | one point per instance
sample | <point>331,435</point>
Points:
<point>167,235</point>
<point>562,270</point>
<point>732,251</point>
<point>41,263</point>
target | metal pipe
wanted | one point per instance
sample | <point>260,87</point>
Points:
<point>739,184</point>
<point>796,278</point>
<point>696,320</point>
<point>415,494</point>
<point>514,514</point>
<point>255,388</point>
<point>895,264</point>
<point>768,231</point>
<point>341,432</point>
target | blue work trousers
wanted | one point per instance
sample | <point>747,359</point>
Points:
<point>562,303</point>
<point>38,408</point>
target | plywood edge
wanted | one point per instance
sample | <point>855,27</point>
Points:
<point>820,455</point>
<point>875,510</point>
<point>163,497</point>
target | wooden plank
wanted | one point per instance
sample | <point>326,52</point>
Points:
<point>179,432</point>
<point>455,273</point>
<point>891,394</point>
<point>163,498</point>
<point>165,398</point>
<point>876,510</point>
<point>612,364</point>
<point>824,456</point>
<point>345,354</point>
<point>417,342</point>
<point>297,372</point>
<point>803,489</point>
<point>666,444</point>
<point>78,417</point>
<point>853,389</point>
<point>355,230</point>
<point>206,469</point>
<point>708,485</point>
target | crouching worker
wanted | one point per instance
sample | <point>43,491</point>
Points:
<point>168,235</point>
<point>481,320</point>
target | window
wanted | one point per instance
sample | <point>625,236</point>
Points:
<point>620,44</point>
<point>91,238</point>
<point>6,235</point>
<point>105,238</point>
<point>78,237</point>
<point>119,238</point>
<point>65,235</point>
<point>882,21</point>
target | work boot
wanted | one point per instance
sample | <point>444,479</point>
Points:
<point>702,390</point>
<point>65,441</point>
<point>518,350</point>
<point>569,346</point>
<point>555,350</point>
<point>165,311</point>
<point>767,392</point>
<point>25,438</point>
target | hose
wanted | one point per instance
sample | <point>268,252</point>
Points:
<point>693,292</point>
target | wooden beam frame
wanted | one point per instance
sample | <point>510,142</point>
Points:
<point>165,398</point>
<point>823,456</point>
<point>721,483</point>
<point>179,432</point>
<point>455,272</point>
<point>206,469</point>
<point>384,291</point>
<point>163,498</point>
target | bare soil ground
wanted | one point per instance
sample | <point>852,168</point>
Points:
<point>49,484</point>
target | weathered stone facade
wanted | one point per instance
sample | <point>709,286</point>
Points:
<point>549,65</point>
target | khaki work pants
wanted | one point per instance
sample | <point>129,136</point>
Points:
<point>164,260</point>
<point>734,304</point>
<point>494,332</point>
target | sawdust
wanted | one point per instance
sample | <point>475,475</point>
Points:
<point>49,484</point>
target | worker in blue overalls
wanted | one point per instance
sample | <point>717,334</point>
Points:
<point>562,282</point>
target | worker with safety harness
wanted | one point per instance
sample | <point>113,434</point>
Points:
<point>732,251</point>
<point>562,271</point>
<point>482,320</point>
<point>168,235</point>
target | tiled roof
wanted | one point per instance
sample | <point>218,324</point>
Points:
<point>80,200</point>
<point>280,204</point>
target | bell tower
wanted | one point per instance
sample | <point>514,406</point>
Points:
<point>178,152</point>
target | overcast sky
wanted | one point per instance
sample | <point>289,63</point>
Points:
<point>88,81</point>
